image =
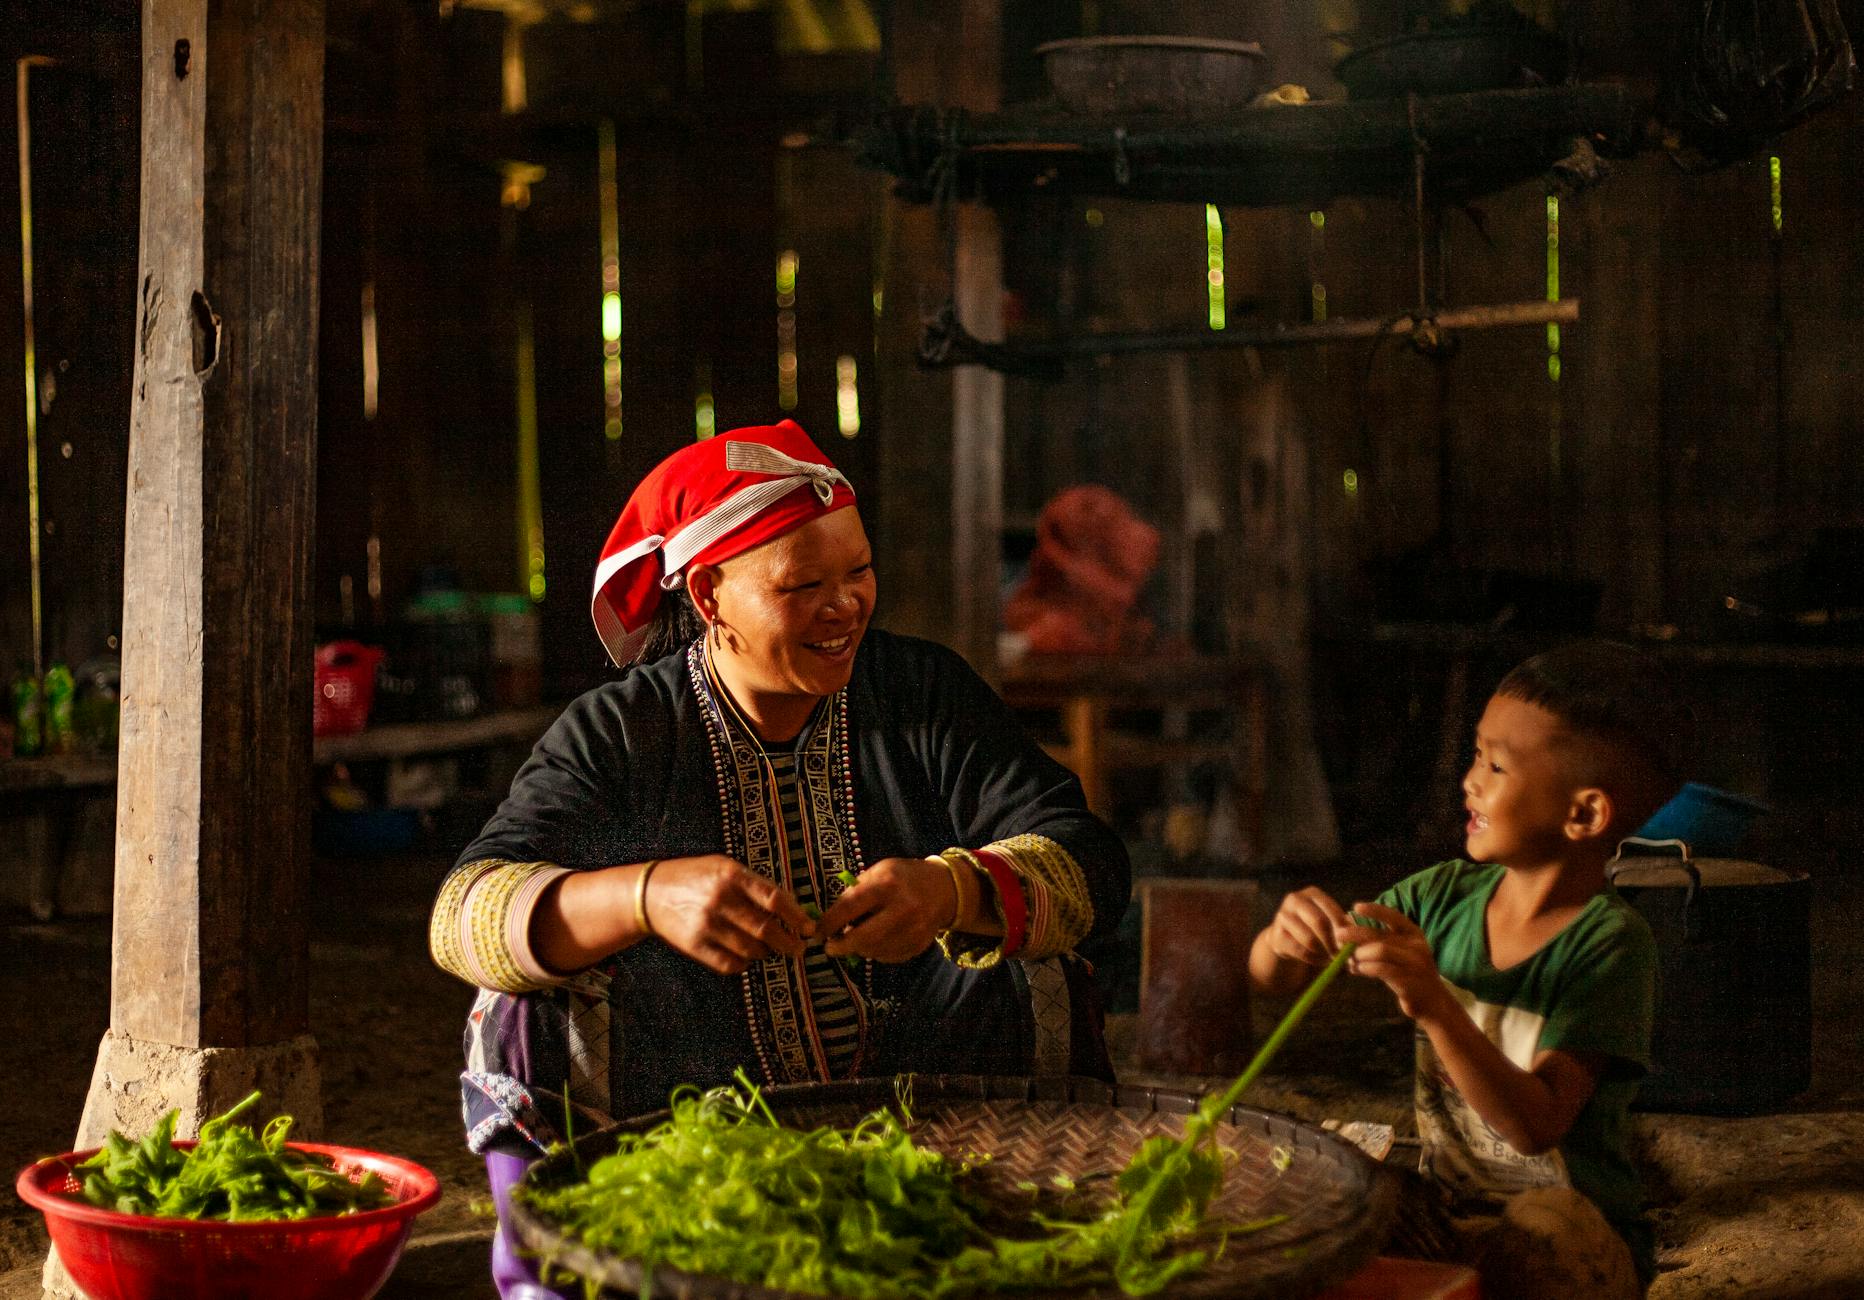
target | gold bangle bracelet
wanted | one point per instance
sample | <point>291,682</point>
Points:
<point>957,892</point>
<point>641,922</point>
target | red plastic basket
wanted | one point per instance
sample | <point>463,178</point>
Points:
<point>116,1256</point>
<point>345,679</point>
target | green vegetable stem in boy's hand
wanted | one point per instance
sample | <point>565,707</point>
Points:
<point>1398,954</point>
<point>1304,927</point>
<point>229,1174</point>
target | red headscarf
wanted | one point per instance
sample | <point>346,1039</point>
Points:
<point>703,504</point>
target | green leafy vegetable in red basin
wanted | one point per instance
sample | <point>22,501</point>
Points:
<point>231,1174</point>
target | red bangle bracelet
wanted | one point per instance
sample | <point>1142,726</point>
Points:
<point>1010,891</point>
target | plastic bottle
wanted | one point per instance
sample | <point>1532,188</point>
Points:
<point>28,714</point>
<point>60,689</point>
<point>517,651</point>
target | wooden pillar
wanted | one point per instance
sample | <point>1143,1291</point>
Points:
<point>912,546</point>
<point>941,455</point>
<point>977,393</point>
<point>211,950</point>
<point>1292,815</point>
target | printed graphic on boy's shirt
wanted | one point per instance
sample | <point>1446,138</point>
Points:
<point>1461,1149</point>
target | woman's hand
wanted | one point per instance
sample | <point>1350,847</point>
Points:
<point>1305,928</point>
<point>721,915</point>
<point>892,912</point>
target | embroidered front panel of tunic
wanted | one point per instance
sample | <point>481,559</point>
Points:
<point>797,1013</point>
<point>835,1017</point>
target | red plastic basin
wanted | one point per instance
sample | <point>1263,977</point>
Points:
<point>115,1256</point>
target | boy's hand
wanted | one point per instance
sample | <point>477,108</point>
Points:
<point>1306,927</point>
<point>1399,955</point>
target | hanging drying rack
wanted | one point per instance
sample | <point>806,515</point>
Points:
<point>1431,150</point>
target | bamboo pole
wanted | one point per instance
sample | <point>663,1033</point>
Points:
<point>956,346</point>
<point>23,78</point>
<point>1345,329</point>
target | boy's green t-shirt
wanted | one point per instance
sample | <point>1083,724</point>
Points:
<point>1592,988</point>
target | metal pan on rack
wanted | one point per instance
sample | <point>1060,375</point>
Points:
<point>1180,75</point>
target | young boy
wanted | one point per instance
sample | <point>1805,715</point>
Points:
<point>1531,983</point>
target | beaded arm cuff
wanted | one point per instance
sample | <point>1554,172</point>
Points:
<point>1056,909</point>
<point>480,930</point>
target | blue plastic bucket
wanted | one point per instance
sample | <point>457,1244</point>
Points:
<point>1711,821</point>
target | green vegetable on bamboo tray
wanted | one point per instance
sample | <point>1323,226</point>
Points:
<point>722,1188</point>
<point>230,1174</point>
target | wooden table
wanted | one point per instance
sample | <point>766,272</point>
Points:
<point>411,739</point>
<point>396,740</point>
<point>1087,691</point>
<point>51,790</point>
<point>54,773</point>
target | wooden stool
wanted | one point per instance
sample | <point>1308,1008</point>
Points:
<point>1194,975</point>
<point>1387,1278</point>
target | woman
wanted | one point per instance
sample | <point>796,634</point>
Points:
<point>781,841</point>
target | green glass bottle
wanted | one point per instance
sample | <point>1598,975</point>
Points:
<point>60,689</point>
<point>28,714</point>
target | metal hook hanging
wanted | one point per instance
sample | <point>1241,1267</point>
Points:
<point>1418,151</point>
<point>943,339</point>
<point>945,194</point>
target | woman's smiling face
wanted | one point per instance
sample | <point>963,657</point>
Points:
<point>793,611</point>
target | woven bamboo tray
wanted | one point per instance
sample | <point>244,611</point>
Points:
<point>1339,1205</point>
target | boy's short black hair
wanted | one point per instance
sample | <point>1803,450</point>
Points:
<point>1610,692</point>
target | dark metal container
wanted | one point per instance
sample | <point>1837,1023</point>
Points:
<point>1734,998</point>
<point>1181,75</point>
<point>1452,62</point>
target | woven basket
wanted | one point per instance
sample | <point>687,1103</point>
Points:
<point>1340,1206</point>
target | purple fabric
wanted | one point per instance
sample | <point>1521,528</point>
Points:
<point>513,1275</point>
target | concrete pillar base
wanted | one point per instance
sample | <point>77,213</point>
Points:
<point>136,1083</point>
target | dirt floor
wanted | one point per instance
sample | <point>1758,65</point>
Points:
<point>1771,1206</point>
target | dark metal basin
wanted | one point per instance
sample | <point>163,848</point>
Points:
<point>1152,74</point>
